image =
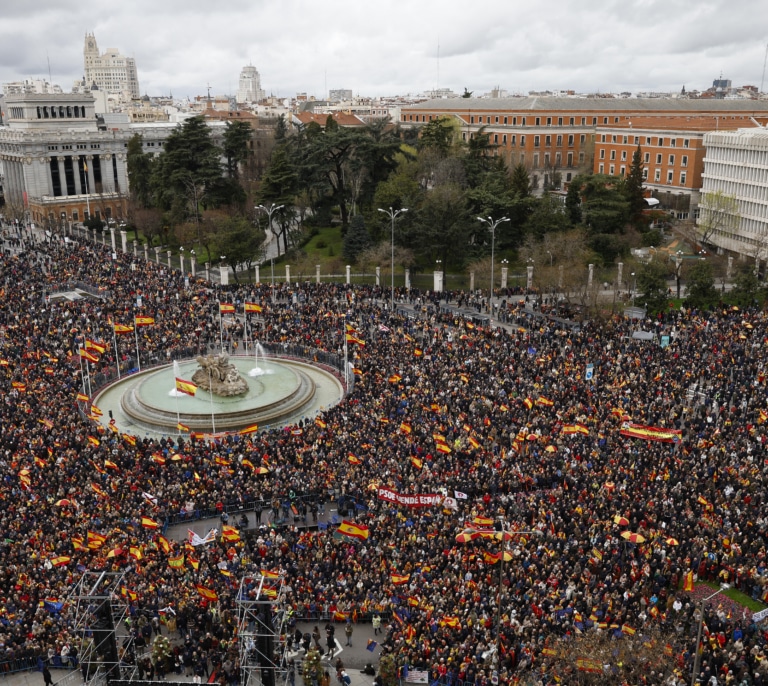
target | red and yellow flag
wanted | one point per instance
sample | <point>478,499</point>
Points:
<point>207,593</point>
<point>230,533</point>
<point>252,429</point>
<point>186,387</point>
<point>122,329</point>
<point>60,560</point>
<point>87,355</point>
<point>226,308</point>
<point>252,307</point>
<point>400,579</point>
<point>358,531</point>
<point>93,345</point>
<point>652,433</point>
<point>176,562</point>
<point>149,523</point>
<point>144,321</point>
<point>164,543</point>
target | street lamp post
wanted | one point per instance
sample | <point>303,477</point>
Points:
<point>502,534</point>
<point>697,659</point>
<point>678,265</point>
<point>634,287</point>
<point>492,228</point>
<point>270,211</point>
<point>392,214</point>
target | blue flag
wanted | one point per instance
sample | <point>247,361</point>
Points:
<point>371,645</point>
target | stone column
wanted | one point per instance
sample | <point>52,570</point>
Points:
<point>504,275</point>
<point>730,267</point>
<point>168,255</point>
<point>317,273</point>
<point>146,252</point>
<point>529,281</point>
<point>207,271</point>
<point>181,263</point>
<point>437,281</point>
<point>157,254</point>
<point>135,248</point>
<point>76,169</point>
<point>619,275</point>
<point>407,279</point>
<point>591,274</point>
<point>378,276</point>
<point>124,240</point>
<point>224,275</point>
<point>258,275</point>
<point>91,182</point>
<point>62,175</point>
<point>287,274</point>
<point>112,237</point>
<point>349,274</point>
<point>192,265</point>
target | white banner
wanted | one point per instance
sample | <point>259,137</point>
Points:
<point>417,677</point>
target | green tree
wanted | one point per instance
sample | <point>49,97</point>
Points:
<point>239,241</point>
<point>652,286</point>
<point>746,286</point>
<point>633,188</point>
<point>521,181</point>
<point>548,215</point>
<point>357,239</point>
<point>573,201</point>
<point>236,138</point>
<point>701,286</point>
<point>479,158</point>
<point>439,134</point>
<point>139,166</point>
<point>187,176</point>
<point>279,186</point>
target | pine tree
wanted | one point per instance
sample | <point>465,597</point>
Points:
<point>633,188</point>
<point>357,239</point>
<point>521,181</point>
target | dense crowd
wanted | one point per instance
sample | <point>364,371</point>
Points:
<point>484,416</point>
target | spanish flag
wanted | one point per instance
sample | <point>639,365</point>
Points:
<point>395,378</point>
<point>186,387</point>
<point>86,355</point>
<point>474,442</point>
<point>417,462</point>
<point>442,448</point>
<point>353,459</point>
<point>130,440</point>
<point>230,533</point>
<point>252,307</point>
<point>82,398</point>
<point>358,531</point>
<point>194,562</point>
<point>60,560</point>
<point>207,593</point>
<point>405,428</point>
<point>544,401</point>
<point>122,329</point>
<point>93,345</point>
<point>164,543</point>
<point>450,621</point>
<point>226,308</point>
<point>95,541</point>
<point>252,429</point>
<point>400,579</point>
<point>135,553</point>
<point>270,573</point>
<point>94,441</point>
<point>176,562</point>
<point>148,523</point>
<point>528,403</point>
<point>144,321</point>
<point>182,427</point>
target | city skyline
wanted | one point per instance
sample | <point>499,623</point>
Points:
<point>598,46</point>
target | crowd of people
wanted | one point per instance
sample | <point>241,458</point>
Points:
<point>623,534</point>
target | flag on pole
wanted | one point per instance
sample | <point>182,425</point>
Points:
<point>122,329</point>
<point>207,593</point>
<point>186,387</point>
<point>81,397</point>
<point>144,321</point>
<point>149,523</point>
<point>225,308</point>
<point>359,531</point>
<point>93,345</point>
<point>182,427</point>
<point>87,355</point>
<point>252,307</point>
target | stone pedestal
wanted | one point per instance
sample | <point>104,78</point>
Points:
<point>619,275</point>
<point>407,279</point>
<point>504,275</point>
<point>287,273</point>
<point>349,274</point>
<point>124,240</point>
<point>378,276</point>
<point>157,255</point>
<point>529,280</point>
<point>317,273</point>
<point>257,276</point>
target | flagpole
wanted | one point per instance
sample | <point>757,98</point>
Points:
<point>88,371</point>
<point>245,319</point>
<point>346,362</point>
<point>178,417</point>
<point>87,191</point>
<point>221,328</point>
<point>136,336</point>
<point>117,354</point>
<point>210,393</point>
<point>82,376</point>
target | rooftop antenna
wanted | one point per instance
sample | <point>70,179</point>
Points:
<point>765,59</point>
<point>209,96</point>
<point>50,78</point>
<point>437,86</point>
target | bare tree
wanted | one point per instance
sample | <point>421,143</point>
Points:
<point>718,213</point>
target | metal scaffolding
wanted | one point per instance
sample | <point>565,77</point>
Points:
<point>100,602</point>
<point>261,631</point>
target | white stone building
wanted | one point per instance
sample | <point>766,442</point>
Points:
<point>249,87</point>
<point>736,166</point>
<point>110,72</point>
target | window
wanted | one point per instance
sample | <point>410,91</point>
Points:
<point>626,140</point>
<point>647,157</point>
<point>645,174</point>
<point>583,138</point>
<point>683,177</point>
<point>657,175</point>
<point>538,121</point>
<point>623,155</point>
<point>524,118</point>
<point>548,141</point>
<point>570,141</point>
<point>514,121</point>
<point>558,159</point>
<point>684,161</point>
<point>504,139</point>
<point>513,139</point>
<point>559,121</point>
<point>622,170</point>
<point>605,120</point>
<point>673,142</point>
<point>535,160</point>
<point>658,158</point>
<point>572,121</point>
<point>472,119</point>
<point>613,154</point>
<point>669,176</point>
<point>570,159</point>
<point>601,169</point>
<point>497,120</point>
<point>612,170</point>
<point>549,121</point>
<point>581,158</point>
<point>603,138</point>
<point>613,138</point>
<point>671,160</point>
<point>522,141</point>
<point>559,141</point>
<point>546,159</point>
<point>495,137</point>
<point>685,142</point>
<point>505,121</point>
<point>637,140</point>
<point>536,141</point>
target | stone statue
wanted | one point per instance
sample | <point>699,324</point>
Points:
<point>218,376</point>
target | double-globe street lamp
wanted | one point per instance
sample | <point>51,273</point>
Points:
<point>697,659</point>
<point>502,534</point>
<point>392,214</point>
<point>492,224</point>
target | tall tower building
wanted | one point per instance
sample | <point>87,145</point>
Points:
<point>249,89</point>
<point>110,72</point>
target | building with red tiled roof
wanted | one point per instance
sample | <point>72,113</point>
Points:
<point>341,118</point>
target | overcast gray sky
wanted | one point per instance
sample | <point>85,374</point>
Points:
<point>390,47</point>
